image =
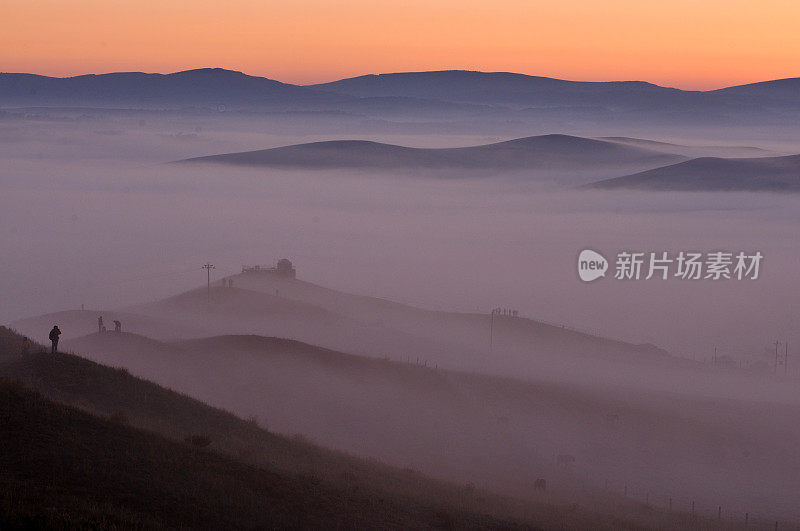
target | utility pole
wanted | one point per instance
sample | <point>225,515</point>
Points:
<point>786,358</point>
<point>495,311</point>
<point>208,267</point>
<point>776,356</point>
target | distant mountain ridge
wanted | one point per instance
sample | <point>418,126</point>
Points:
<point>218,88</point>
<point>508,87</point>
<point>206,87</point>
<point>496,88</point>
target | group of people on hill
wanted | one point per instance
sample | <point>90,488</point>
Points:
<point>55,333</point>
<point>102,327</point>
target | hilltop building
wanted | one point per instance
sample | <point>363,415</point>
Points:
<point>283,268</point>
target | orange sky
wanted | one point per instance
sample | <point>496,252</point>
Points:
<point>683,43</point>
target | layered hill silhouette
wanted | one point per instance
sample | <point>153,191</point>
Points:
<point>693,151</point>
<point>766,100</point>
<point>479,95</point>
<point>532,153</point>
<point>772,174</point>
<point>272,305</point>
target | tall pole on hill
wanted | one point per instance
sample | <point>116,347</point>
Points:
<point>208,267</point>
<point>495,311</point>
<point>776,356</point>
<point>786,359</point>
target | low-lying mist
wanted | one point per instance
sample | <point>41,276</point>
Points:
<point>105,237</point>
<point>91,217</point>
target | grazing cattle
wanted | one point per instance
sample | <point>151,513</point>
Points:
<point>565,460</point>
<point>540,484</point>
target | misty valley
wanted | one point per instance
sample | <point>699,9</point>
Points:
<point>396,301</point>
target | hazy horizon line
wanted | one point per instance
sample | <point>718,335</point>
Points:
<point>311,84</point>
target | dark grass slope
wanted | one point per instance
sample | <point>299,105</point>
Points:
<point>774,174</point>
<point>536,152</point>
<point>97,467</point>
<point>89,446</point>
<point>65,468</point>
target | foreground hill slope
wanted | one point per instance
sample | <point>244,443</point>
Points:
<point>498,432</point>
<point>769,174</point>
<point>102,472</point>
<point>65,468</point>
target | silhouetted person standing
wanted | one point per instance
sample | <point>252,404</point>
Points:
<point>117,326</point>
<point>26,345</point>
<point>54,333</point>
<point>100,326</point>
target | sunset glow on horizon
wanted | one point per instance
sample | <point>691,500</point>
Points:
<point>681,43</point>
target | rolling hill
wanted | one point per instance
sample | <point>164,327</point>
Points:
<point>765,174</point>
<point>693,151</point>
<point>532,153</point>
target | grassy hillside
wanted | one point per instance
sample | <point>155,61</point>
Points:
<point>105,445</point>
<point>65,468</point>
<point>500,433</point>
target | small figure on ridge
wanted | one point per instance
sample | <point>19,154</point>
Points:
<point>54,333</point>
